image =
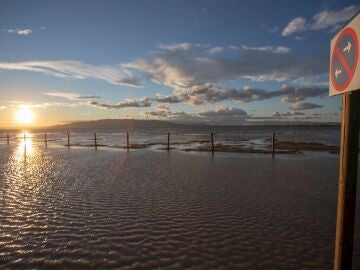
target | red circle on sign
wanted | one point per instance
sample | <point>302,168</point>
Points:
<point>352,33</point>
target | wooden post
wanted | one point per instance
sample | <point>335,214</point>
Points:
<point>212,143</point>
<point>8,138</point>
<point>168,141</point>
<point>68,137</point>
<point>273,143</point>
<point>95,140</point>
<point>127,140</point>
<point>347,181</point>
<point>24,137</point>
<point>45,139</point>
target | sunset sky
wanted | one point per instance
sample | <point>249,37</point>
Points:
<point>227,62</point>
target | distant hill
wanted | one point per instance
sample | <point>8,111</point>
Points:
<point>116,123</point>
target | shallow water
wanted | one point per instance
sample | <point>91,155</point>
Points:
<point>81,208</point>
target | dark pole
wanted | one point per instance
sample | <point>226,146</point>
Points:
<point>212,143</point>
<point>347,181</point>
<point>68,137</point>
<point>168,141</point>
<point>273,143</point>
<point>45,139</point>
<point>95,140</point>
<point>8,138</point>
<point>127,140</point>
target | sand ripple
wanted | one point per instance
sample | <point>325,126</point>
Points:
<point>81,209</point>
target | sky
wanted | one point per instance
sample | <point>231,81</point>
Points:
<point>217,62</point>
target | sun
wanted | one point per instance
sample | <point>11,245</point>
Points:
<point>24,116</point>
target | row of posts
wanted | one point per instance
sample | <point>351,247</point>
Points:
<point>273,141</point>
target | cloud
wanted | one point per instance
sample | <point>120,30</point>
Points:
<point>209,93</point>
<point>162,108</point>
<point>274,29</point>
<point>157,114</point>
<point>71,96</point>
<point>271,49</point>
<point>21,32</point>
<point>330,19</point>
<point>323,20</point>
<point>42,105</point>
<point>128,103</point>
<point>168,99</point>
<point>176,46</point>
<point>294,26</point>
<point>76,70</point>
<point>215,50</point>
<point>220,115</point>
<point>300,94</point>
<point>304,106</point>
<point>181,67</point>
<point>286,114</point>
<point>224,112</point>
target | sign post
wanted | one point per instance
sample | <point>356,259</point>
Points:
<point>345,79</point>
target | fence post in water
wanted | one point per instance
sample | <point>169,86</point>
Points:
<point>45,139</point>
<point>95,140</point>
<point>168,141</point>
<point>7,138</point>
<point>127,140</point>
<point>24,137</point>
<point>273,143</point>
<point>68,137</point>
<point>212,143</point>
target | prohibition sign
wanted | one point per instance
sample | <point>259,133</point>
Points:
<point>344,59</point>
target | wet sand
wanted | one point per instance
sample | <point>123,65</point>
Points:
<point>79,208</point>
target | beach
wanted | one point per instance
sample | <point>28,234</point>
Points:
<point>81,208</point>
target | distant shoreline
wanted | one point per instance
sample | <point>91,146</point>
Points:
<point>137,123</point>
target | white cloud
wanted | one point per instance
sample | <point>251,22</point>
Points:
<point>331,20</point>
<point>328,19</point>
<point>294,26</point>
<point>76,70</point>
<point>176,46</point>
<point>21,32</point>
<point>271,49</point>
<point>216,49</point>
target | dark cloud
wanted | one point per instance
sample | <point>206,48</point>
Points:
<point>131,103</point>
<point>169,99</point>
<point>304,106</point>
<point>89,97</point>
<point>221,115</point>
<point>158,114</point>
<point>224,112</point>
<point>286,114</point>
<point>211,94</point>
<point>184,65</point>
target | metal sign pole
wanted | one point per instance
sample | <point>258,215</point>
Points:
<point>347,181</point>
